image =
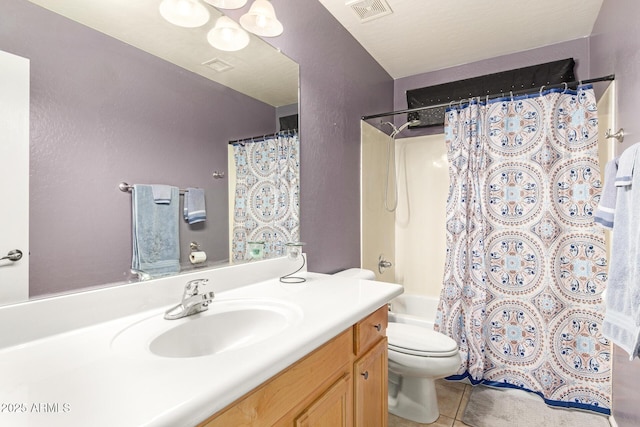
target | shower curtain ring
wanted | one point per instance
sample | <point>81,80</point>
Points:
<point>541,89</point>
<point>566,87</point>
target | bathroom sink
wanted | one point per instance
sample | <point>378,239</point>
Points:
<point>227,325</point>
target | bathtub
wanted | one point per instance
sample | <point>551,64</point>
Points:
<point>413,309</point>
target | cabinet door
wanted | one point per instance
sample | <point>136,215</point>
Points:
<point>332,409</point>
<point>370,378</point>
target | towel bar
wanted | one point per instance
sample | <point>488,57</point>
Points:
<point>123,186</point>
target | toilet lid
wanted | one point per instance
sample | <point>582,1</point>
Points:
<point>419,341</point>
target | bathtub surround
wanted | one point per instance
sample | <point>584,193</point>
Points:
<point>526,263</point>
<point>420,218</point>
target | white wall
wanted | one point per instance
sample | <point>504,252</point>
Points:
<point>423,184</point>
<point>413,236</point>
<point>377,232</point>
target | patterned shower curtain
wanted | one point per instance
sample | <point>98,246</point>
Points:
<point>267,194</point>
<point>525,263</point>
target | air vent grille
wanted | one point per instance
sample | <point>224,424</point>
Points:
<point>218,65</point>
<point>369,9</point>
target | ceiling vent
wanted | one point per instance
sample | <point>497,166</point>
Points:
<point>368,10</point>
<point>218,65</point>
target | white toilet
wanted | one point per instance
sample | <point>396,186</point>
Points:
<point>417,357</point>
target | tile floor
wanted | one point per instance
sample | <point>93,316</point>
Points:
<point>452,399</point>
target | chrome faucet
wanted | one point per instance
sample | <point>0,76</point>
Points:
<point>192,301</point>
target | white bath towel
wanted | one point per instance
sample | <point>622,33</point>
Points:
<point>626,164</point>
<point>622,318</point>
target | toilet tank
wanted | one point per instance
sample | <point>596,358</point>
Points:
<point>357,273</point>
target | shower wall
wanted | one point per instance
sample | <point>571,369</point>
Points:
<point>423,184</point>
<point>412,237</point>
<point>377,233</point>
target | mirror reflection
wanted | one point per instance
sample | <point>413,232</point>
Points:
<point>136,100</point>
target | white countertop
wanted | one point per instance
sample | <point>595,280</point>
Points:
<point>76,378</point>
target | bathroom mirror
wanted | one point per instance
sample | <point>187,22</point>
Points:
<point>142,101</point>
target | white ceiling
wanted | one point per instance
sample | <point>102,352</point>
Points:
<point>418,37</point>
<point>427,35</point>
<point>138,23</point>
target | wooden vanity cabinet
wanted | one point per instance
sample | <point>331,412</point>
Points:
<point>341,384</point>
<point>370,370</point>
<point>370,387</point>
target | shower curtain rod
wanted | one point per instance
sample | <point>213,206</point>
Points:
<point>610,77</point>
<point>262,137</point>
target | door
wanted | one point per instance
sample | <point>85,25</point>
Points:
<point>14,177</point>
<point>332,409</point>
<point>370,377</point>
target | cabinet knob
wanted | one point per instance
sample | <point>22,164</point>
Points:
<point>378,327</point>
<point>365,374</point>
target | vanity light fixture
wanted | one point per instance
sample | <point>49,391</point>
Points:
<point>184,13</point>
<point>227,35</point>
<point>261,19</point>
<point>227,4</point>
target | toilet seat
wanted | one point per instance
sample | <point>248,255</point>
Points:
<point>419,341</point>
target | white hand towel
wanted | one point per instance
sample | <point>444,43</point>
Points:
<point>194,206</point>
<point>626,165</point>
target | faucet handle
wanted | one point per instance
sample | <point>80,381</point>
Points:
<point>192,286</point>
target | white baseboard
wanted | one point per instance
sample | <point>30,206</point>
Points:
<point>612,421</point>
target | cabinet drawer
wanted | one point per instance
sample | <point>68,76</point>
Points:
<point>370,330</point>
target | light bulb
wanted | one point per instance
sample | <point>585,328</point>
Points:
<point>227,4</point>
<point>261,19</point>
<point>184,13</point>
<point>227,35</point>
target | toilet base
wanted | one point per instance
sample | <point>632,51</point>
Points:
<point>422,407</point>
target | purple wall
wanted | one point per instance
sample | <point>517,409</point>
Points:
<point>615,48</point>
<point>339,83</point>
<point>103,112</point>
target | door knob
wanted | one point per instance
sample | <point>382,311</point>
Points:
<point>14,255</point>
